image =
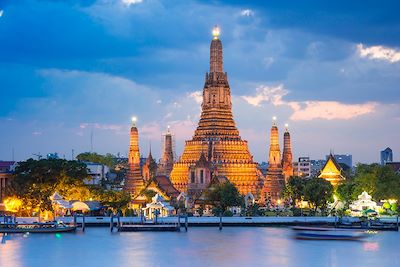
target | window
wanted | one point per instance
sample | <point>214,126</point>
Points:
<point>192,177</point>
<point>202,176</point>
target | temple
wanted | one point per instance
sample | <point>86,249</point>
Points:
<point>287,157</point>
<point>168,155</point>
<point>134,181</point>
<point>274,181</point>
<point>216,146</point>
<point>332,171</point>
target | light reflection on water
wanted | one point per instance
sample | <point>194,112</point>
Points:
<point>236,246</point>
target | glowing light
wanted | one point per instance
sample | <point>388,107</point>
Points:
<point>58,235</point>
<point>286,125</point>
<point>12,204</point>
<point>216,32</point>
<point>274,118</point>
<point>1,13</point>
<point>134,119</point>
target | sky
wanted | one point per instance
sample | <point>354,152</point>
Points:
<point>74,71</point>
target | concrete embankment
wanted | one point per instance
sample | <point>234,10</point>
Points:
<point>213,221</point>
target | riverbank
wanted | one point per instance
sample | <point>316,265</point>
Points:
<point>214,221</point>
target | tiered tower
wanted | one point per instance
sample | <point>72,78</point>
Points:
<point>287,158</point>
<point>167,160</point>
<point>274,181</point>
<point>134,181</point>
<point>149,168</point>
<point>217,135</point>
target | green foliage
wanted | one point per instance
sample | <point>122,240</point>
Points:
<point>35,180</point>
<point>386,205</point>
<point>108,159</point>
<point>394,207</point>
<point>228,213</point>
<point>381,182</point>
<point>318,192</point>
<point>223,195</point>
<point>117,200</point>
<point>294,190</point>
<point>149,194</point>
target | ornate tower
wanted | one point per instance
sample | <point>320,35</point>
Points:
<point>287,158</point>
<point>217,135</point>
<point>274,181</point>
<point>149,168</point>
<point>134,181</point>
<point>167,160</point>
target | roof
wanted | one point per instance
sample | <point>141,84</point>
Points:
<point>394,165</point>
<point>6,163</point>
<point>164,183</point>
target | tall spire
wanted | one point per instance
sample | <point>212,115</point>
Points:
<point>216,58</point>
<point>274,149</point>
<point>134,180</point>
<point>287,158</point>
<point>274,181</point>
<point>167,160</point>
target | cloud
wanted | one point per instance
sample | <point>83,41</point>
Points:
<point>246,13</point>
<point>131,2</point>
<point>309,110</point>
<point>266,94</point>
<point>379,52</point>
<point>197,96</point>
<point>101,126</point>
<point>36,133</point>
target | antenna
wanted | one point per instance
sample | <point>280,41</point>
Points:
<point>91,141</point>
<point>72,154</point>
<point>13,154</point>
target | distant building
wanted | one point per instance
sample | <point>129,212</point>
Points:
<point>52,156</point>
<point>98,172</point>
<point>343,159</point>
<point>316,166</point>
<point>386,156</point>
<point>6,170</point>
<point>302,168</point>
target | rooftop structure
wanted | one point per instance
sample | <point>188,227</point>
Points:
<point>217,136</point>
<point>332,171</point>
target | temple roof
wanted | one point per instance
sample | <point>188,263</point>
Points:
<point>332,171</point>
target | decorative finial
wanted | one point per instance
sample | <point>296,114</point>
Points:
<point>168,129</point>
<point>286,127</point>
<point>216,32</point>
<point>134,120</point>
<point>274,120</point>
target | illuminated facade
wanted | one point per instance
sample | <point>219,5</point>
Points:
<point>274,181</point>
<point>134,181</point>
<point>287,157</point>
<point>332,171</point>
<point>217,136</point>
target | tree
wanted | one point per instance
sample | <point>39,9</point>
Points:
<point>345,192</point>
<point>223,195</point>
<point>35,180</point>
<point>294,190</point>
<point>108,159</point>
<point>381,182</point>
<point>318,192</point>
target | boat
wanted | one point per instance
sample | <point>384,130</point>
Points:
<point>327,233</point>
<point>330,235</point>
<point>17,228</point>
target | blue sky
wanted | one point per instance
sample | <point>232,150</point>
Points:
<point>69,68</point>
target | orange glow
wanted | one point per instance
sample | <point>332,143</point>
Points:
<point>13,204</point>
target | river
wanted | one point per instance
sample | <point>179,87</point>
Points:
<point>200,246</point>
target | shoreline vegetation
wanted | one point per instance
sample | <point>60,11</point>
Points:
<point>34,181</point>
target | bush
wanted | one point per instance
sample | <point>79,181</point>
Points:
<point>228,213</point>
<point>386,205</point>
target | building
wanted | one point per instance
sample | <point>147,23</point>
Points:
<point>386,156</point>
<point>217,136</point>
<point>97,172</point>
<point>395,166</point>
<point>134,182</point>
<point>7,168</point>
<point>316,166</point>
<point>287,157</point>
<point>343,159</point>
<point>274,181</point>
<point>332,171</point>
<point>302,168</point>
<point>168,154</point>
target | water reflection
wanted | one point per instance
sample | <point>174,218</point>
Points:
<point>233,246</point>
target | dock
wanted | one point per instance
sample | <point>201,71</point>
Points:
<point>149,228</point>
